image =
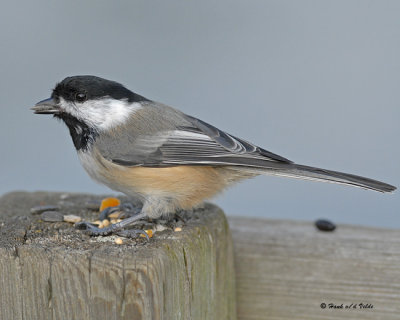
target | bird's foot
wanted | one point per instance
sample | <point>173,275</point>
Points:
<point>114,228</point>
<point>92,230</point>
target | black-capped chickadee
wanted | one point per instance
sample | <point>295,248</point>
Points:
<point>168,159</point>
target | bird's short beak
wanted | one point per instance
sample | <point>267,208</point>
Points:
<point>47,106</point>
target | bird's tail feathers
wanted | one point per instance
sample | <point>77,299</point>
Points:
<point>318,174</point>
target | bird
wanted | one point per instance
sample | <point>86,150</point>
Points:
<point>169,160</point>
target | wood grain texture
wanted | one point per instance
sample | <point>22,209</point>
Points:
<point>52,271</point>
<point>286,269</point>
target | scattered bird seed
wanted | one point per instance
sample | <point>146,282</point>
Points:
<point>178,229</point>
<point>149,232</point>
<point>41,209</point>
<point>109,202</point>
<point>160,227</point>
<point>52,216</point>
<point>72,218</point>
<point>325,225</point>
<point>118,241</point>
<point>114,215</point>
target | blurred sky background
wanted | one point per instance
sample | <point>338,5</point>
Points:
<point>314,81</point>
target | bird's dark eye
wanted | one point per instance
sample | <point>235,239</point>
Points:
<point>80,97</point>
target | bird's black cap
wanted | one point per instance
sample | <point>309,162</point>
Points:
<point>91,87</point>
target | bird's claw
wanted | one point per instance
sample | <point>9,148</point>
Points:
<point>92,230</point>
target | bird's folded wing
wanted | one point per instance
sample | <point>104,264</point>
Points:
<point>196,143</point>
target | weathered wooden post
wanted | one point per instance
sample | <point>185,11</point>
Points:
<point>52,271</point>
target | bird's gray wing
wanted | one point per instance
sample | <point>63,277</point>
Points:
<point>193,143</point>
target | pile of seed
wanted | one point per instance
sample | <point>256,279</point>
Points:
<point>51,213</point>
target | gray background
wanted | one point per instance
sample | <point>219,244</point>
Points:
<point>315,81</point>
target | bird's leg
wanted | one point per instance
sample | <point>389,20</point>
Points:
<point>94,231</point>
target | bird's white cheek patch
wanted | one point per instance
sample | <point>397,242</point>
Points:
<point>116,112</point>
<point>103,114</point>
